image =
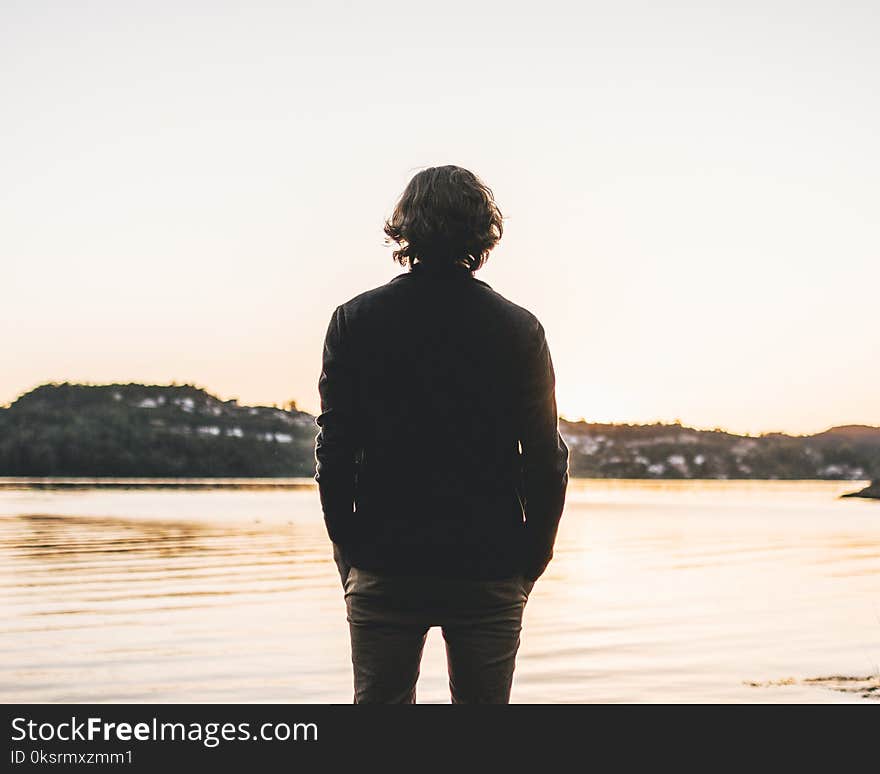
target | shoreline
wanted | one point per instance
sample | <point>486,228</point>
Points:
<point>295,482</point>
<point>870,492</point>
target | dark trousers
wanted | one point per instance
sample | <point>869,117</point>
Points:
<point>389,618</point>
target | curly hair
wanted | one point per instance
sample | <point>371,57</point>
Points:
<point>446,215</point>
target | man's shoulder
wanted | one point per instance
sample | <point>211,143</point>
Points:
<point>516,314</point>
<point>379,293</point>
<point>520,313</point>
<point>403,286</point>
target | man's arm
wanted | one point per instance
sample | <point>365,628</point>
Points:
<point>544,457</point>
<point>336,442</point>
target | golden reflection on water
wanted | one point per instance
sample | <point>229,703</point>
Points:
<point>660,591</point>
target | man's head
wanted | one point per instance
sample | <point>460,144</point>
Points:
<point>446,215</point>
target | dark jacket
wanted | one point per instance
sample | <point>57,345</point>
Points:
<point>438,451</point>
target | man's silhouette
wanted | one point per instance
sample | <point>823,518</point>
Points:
<point>441,471</point>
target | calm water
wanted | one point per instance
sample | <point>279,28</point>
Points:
<point>660,591</point>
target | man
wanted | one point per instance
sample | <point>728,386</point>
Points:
<point>440,467</point>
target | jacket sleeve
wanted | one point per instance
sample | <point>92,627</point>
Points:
<point>544,457</point>
<point>336,442</point>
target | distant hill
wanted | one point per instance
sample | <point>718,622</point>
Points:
<point>856,433</point>
<point>675,451</point>
<point>183,430</point>
<point>150,430</point>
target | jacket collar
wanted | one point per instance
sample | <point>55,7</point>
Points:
<point>454,272</point>
<point>457,270</point>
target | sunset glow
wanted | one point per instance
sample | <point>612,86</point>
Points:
<point>690,195</point>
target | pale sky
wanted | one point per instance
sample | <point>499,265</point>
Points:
<point>188,189</point>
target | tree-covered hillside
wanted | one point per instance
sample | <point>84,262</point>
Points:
<point>674,451</point>
<point>182,430</point>
<point>140,430</point>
